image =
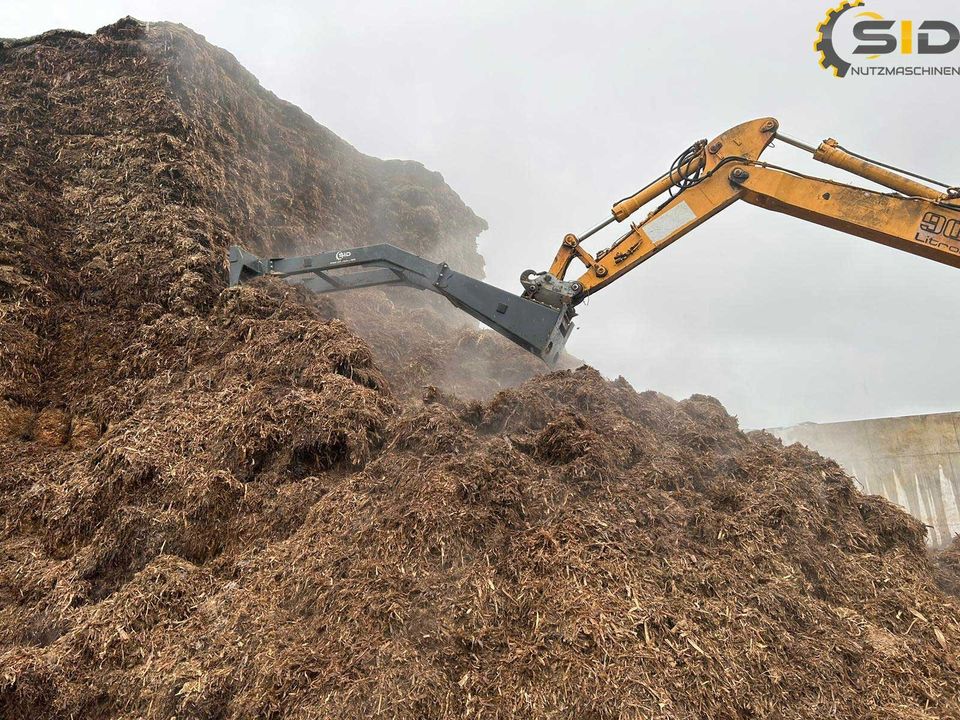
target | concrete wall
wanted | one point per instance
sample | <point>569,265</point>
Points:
<point>913,461</point>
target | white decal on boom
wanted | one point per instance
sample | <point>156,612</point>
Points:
<point>668,223</point>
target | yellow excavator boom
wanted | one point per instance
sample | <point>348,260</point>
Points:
<point>916,218</point>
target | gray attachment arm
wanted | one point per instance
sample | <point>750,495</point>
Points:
<point>537,328</point>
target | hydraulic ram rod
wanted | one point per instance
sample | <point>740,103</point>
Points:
<point>830,152</point>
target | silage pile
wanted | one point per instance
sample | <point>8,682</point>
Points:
<point>222,503</point>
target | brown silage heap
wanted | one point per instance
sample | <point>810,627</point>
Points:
<point>224,503</point>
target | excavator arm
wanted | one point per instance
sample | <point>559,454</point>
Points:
<point>916,218</point>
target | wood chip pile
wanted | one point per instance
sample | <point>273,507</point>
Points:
<point>253,502</point>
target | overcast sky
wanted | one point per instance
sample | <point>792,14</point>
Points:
<point>541,115</point>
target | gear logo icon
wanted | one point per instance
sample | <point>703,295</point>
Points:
<point>824,45</point>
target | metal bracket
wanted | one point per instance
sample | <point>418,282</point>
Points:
<point>544,288</point>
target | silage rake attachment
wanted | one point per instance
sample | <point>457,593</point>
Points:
<point>540,329</point>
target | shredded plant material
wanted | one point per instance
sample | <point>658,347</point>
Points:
<point>253,502</point>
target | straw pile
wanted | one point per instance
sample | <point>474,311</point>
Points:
<point>223,503</point>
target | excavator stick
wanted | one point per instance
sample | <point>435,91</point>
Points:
<point>536,327</point>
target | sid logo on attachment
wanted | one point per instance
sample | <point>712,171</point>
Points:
<point>343,255</point>
<point>902,47</point>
